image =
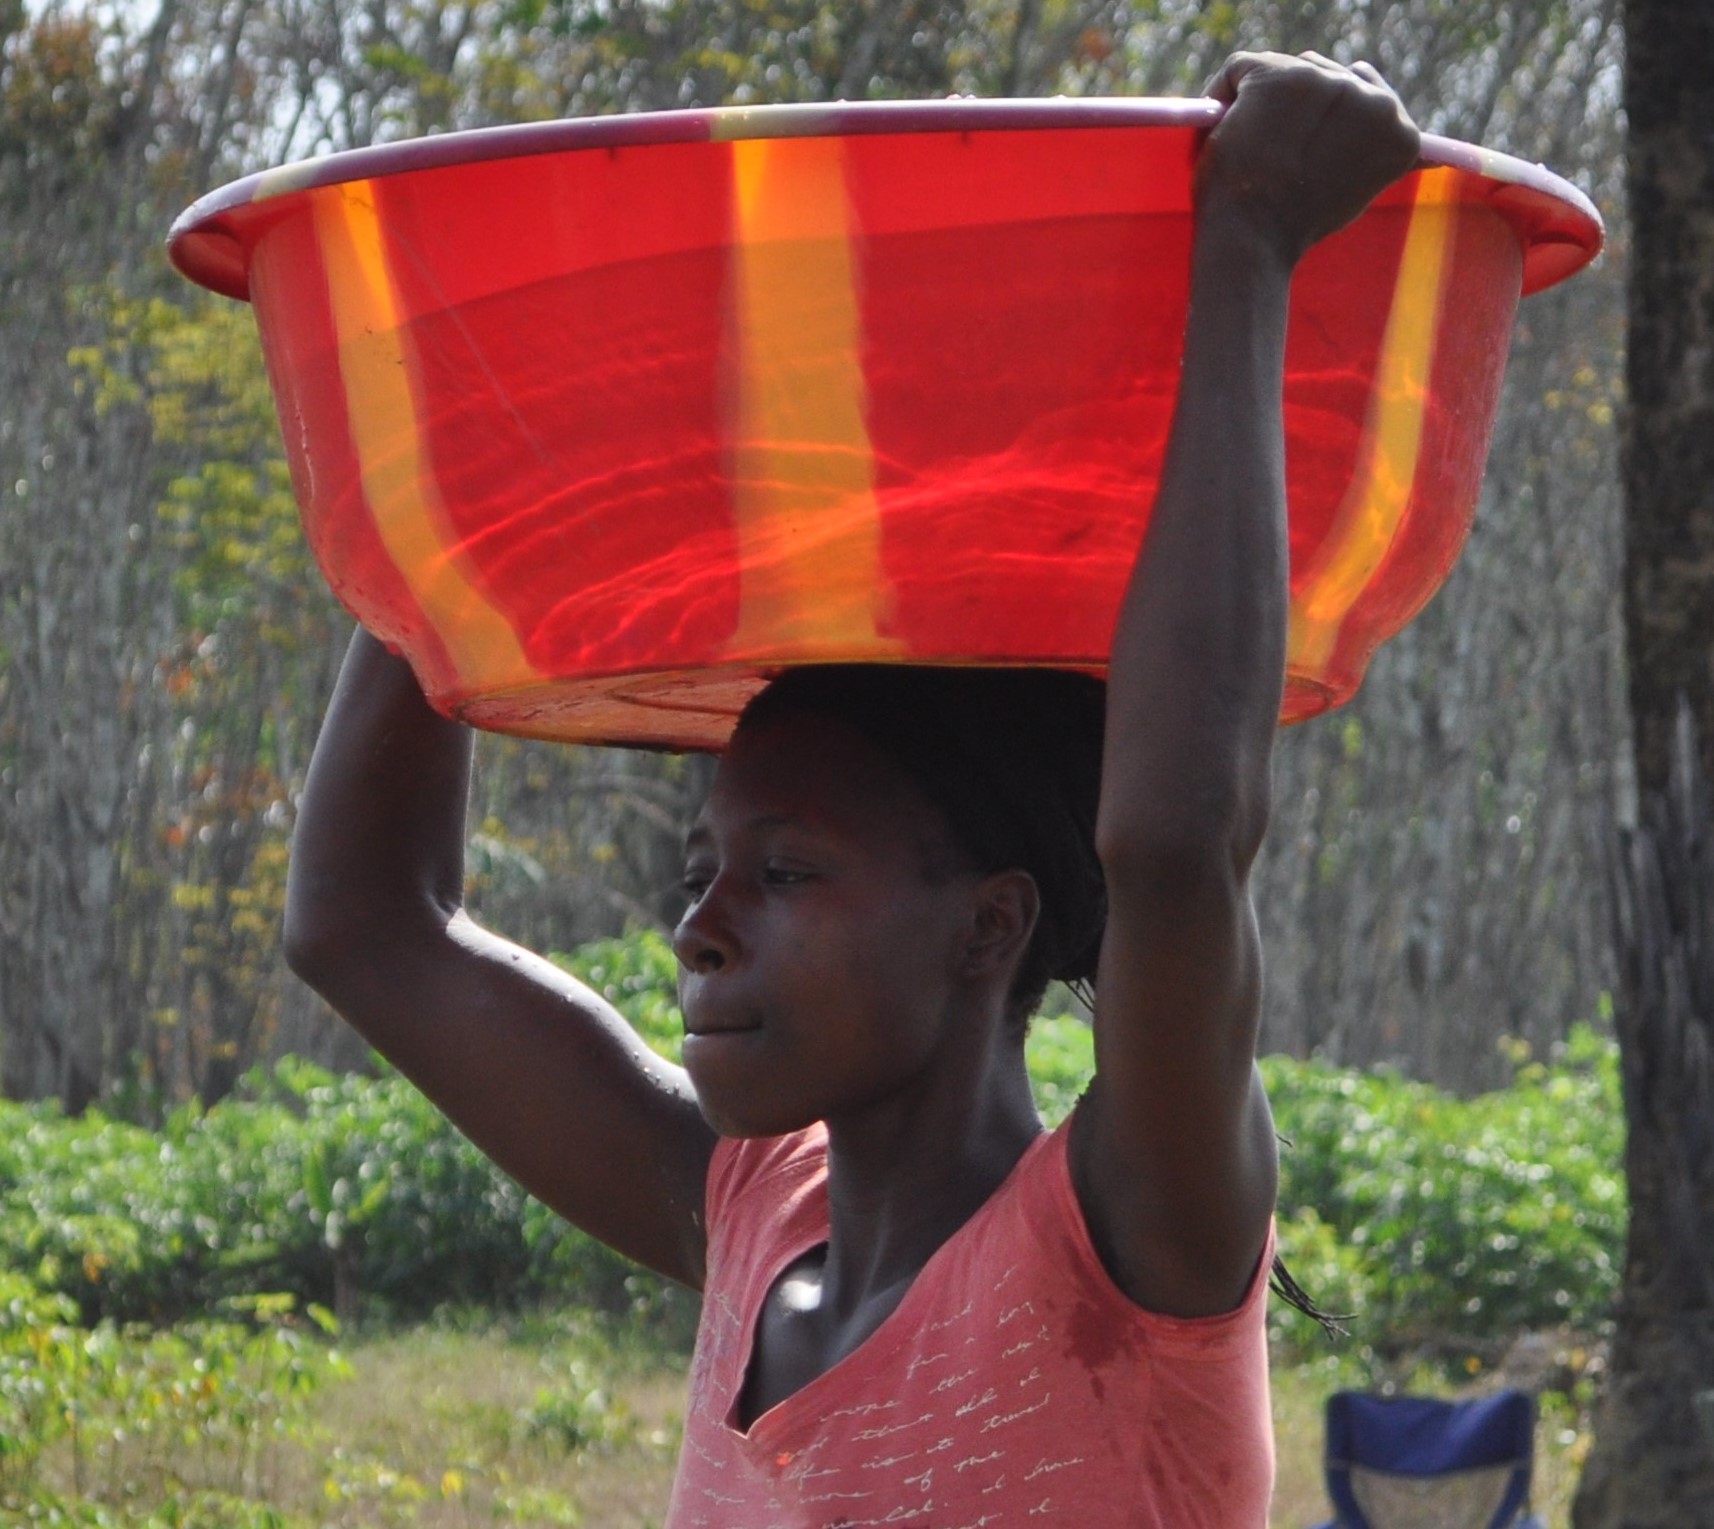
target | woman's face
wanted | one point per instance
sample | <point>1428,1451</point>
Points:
<point>819,955</point>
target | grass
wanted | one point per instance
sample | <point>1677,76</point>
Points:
<point>540,1424</point>
<point>432,1401</point>
<point>563,1421</point>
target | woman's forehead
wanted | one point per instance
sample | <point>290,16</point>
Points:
<point>817,769</point>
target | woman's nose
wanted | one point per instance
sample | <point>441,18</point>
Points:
<point>702,942</point>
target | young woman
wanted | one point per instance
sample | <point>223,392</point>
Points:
<point>919,1308</point>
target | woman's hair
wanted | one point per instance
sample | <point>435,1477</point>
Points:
<point>1011,758</point>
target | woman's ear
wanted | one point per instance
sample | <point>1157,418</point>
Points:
<point>1005,906</point>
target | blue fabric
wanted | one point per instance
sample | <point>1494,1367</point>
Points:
<point>1529,1521</point>
<point>1421,1436</point>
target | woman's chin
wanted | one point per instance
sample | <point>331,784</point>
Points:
<point>733,1089</point>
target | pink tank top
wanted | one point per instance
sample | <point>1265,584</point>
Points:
<point>1013,1385</point>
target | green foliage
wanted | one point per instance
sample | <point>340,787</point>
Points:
<point>1426,1216</point>
<point>638,975</point>
<point>1429,1216</point>
<point>195,363</point>
<point>53,108</point>
<point>1060,1054</point>
<point>94,1419</point>
<point>579,1412</point>
<point>233,511</point>
<point>332,1189</point>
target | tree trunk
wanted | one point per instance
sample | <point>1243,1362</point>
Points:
<point>1653,1463</point>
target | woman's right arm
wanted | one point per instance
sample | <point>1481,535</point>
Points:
<point>534,1068</point>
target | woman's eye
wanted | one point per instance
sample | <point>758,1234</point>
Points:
<point>694,884</point>
<point>783,875</point>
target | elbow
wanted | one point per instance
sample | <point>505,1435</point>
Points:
<point>311,945</point>
<point>332,939</point>
<point>343,917</point>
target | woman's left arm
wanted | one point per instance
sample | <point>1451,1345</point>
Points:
<point>1173,1149</point>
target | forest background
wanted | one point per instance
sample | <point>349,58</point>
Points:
<point>1433,889</point>
<point>1435,892</point>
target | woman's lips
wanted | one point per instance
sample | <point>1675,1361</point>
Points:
<point>720,1024</point>
<point>716,1012</point>
<point>703,1032</point>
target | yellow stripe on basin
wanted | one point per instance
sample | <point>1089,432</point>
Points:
<point>809,532</point>
<point>376,364</point>
<point>1373,509</point>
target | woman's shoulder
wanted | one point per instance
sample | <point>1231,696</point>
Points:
<point>1037,1222</point>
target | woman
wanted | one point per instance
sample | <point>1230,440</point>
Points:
<point>1078,1333</point>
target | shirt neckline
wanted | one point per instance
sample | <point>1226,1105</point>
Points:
<point>774,1427</point>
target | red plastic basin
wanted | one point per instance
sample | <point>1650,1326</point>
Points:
<point>603,422</point>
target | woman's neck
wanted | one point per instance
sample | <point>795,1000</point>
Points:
<point>904,1175</point>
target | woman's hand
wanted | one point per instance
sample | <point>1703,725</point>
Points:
<point>1304,146</point>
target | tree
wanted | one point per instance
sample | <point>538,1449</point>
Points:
<point>164,654</point>
<point>1653,1462</point>
<point>76,539</point>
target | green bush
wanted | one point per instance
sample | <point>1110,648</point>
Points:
<point>1060,1054</point>
<point>336,1190</point>
<point>93,1420</point>
<point>1474,1217</point>
<point>1417,1212</point>
<point>638,975</point>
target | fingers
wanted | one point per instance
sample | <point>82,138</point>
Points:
<point>1372,95</point>
<point>1231,75</point>
<point>1225,83</point>
<point>1222,85</point>
<point>1305,144</point>
<point>1322,61</point>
